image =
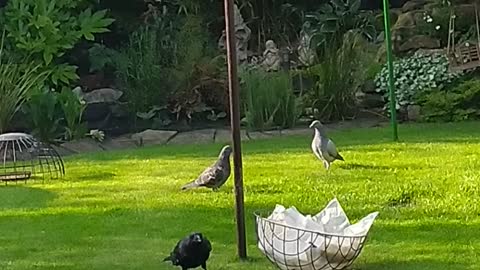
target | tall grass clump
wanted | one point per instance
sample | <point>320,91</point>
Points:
<point>16,81</point>
<point>337,77</point>
<point>139,71</point>
<point>268,100</point>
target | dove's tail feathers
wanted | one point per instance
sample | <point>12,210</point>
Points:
<point>190,185</point>
<point>339,157</point>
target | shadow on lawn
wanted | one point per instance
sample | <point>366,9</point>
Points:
<point>356,166</point>
<point>416,264</point>
<point>103,176</point>
<point>15,197</point>
<point>140,236</point>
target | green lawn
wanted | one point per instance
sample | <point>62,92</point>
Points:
<point>124,210</point>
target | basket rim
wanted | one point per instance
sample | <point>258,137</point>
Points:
<point>259,216</point>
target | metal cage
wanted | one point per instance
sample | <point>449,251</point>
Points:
<point>291,248</point>
<point>23,158</point>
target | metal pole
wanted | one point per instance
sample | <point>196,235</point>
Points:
<point>391,86</point>
<point>233,86</point>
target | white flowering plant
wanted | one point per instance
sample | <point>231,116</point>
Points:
<point>97,135</point>
<point>435,24</point>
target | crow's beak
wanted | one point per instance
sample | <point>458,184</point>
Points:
<point>197,239</point>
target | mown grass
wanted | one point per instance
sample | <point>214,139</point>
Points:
<point>124,210</point>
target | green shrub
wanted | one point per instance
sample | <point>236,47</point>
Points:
<point>268,100</point>
<point>335,18</point>
<point>72,108</point>
<point>415,74</point>
<point>458,103</point>
<point>45,30</point>
<point>55,116</point>
<point>44,115</point>
<point>199,73</point>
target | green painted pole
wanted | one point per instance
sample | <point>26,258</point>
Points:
<point>391,85</point>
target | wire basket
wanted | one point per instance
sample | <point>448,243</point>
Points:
<point>291,248</point>
<point>22,157</point>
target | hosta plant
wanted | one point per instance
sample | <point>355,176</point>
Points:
<point>415,74</point>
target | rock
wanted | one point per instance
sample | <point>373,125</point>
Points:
<point>194,137</point>
<point>369,87</point>
<point>225,136</point>
<point>153,137</point>
<point>413,112</point>
<point>420,42</point>
<point>119,143</point>
<point>85,145</point>
<point>255,135</point>
<point>119,110</point>
<point>405,20</point>
<point>297,132</point>
<point>380,37</point>
<point>413,5</point>
<point>96,112</point>
<point>103,95</point>
<point>93,81</point>
<point>370,100</point>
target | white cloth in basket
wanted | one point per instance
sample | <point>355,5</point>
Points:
<point>292,248</point>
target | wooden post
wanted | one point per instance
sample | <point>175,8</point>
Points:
<point>233,86</point>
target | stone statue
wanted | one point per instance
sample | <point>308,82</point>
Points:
<point>242,34</point>
<point>306,56</point>
<point>271,57</point>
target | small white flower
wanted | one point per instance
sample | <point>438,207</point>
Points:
<point>467,44</point>
<point>429,20</point>
<point>97,134</point>
<point>437,27</point>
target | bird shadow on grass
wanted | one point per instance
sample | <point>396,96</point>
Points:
<point>357,166</point>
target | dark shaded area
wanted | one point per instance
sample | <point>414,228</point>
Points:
<point>153,232</point>
<point>355,166</point>
<point>97,176</point>
<point>17,197</point>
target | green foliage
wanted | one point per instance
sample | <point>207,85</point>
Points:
<point>72,108</point>
<point>139,71</point>
<point>337,79</point>
<point>16,82</point>
<point>435,24</point>
<point>53,116</point>
<point>415,74</point>
<point>44,30</point>
<point>199,76</point>
<point>44,115</point>
<point>337,17</point>
<point>268,100</point>
<point>458,103</point>
<point>101,57</point>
